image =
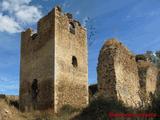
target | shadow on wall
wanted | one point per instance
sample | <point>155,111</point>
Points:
<point>93,89</point>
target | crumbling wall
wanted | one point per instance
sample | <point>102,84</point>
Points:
<point>118,74</point>
<point>148,74</point>
<point>157,91</point>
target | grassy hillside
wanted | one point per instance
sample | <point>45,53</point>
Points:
<point>98,109</point>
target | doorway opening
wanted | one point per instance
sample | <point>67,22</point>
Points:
<point>34,89</point>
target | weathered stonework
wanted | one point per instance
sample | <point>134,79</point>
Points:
<point>54,66</point>
<point>118,74</point>
<point>148,74</point>
<point>157,91</point>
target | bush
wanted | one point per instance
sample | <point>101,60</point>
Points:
<point>100,108</point>
<point>141,57</point>
<point>155,104</point>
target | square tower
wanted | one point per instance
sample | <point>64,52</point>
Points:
<point>54,64</point>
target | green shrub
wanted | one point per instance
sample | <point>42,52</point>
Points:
<point>141,57</point>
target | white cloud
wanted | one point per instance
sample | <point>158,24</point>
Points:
<point>8,24</point>
<point>28,15</point>
<point>22,10</point>
<point>17,13</point>
<point>14,5</point>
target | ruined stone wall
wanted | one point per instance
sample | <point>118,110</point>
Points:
<point>71,84</point>
<point>37,62</point>
<point>157,91</point>
<point>118,74</point>
<point>148,74</point>
<point>151,78</point>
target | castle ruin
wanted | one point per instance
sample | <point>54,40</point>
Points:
<point>54,65</point>
<point>148,76</point>
<point>123,77</point>
<point>54,68</point>
<point>118,73</point>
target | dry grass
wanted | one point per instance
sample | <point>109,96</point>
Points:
<point>97,110</point>
<point>67,113</point>
<point>9,111</point>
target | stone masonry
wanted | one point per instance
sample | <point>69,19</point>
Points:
<point>118,74</point>
<point>123,77</point>
<point>54,66</point>
<point>148,75</point>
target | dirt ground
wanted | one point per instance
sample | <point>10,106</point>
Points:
<point>9,111</point>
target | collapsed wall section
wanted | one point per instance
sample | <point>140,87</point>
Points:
<point>118,74</point>
<point>148,74</point>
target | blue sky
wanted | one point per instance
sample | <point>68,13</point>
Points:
<point>136,23</point>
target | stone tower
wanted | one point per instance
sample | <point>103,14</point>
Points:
<point>54,64</point>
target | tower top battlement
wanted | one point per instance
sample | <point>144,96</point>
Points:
<point>49,19</point>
